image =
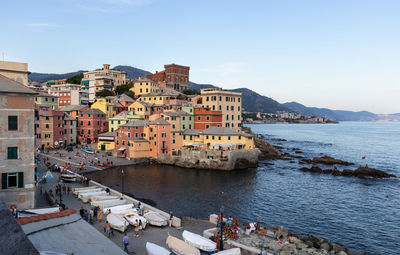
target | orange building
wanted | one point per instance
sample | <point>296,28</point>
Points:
<point>174,77</point>
<point>205,118</point>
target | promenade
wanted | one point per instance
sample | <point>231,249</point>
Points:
<point>138,244</point>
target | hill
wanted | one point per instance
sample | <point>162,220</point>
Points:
<point>132,72</point>
<point>42,77</point>
<point>339,115</point>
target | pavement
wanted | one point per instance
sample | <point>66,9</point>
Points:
<point>138,244</point>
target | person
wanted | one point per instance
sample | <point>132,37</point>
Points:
<point>68,189</point>
<point>218,240</point>
<point>99,214</point>
<point>125,240</point>
<point>95,213</point>
<point>136,228</point>
<point>282,240</point>
<point>107,229</point>
<point>140,226</point>
<point>263,232</point>
<point>171,216</point>
<point>91,214</point>
<point>86,215</point>
<point>82,212</point>
<point>291,239</point>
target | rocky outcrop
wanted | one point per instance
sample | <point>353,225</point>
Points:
<point>360,172</point>
<point>326,160</point>
<point>267,150</point>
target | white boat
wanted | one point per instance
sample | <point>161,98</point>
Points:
<point>86,197</point>
<point>199,242</point>
<point>31,212</point>
<point>117,222</point>
<point>84,188</point>
<point>233,251</point>
<point>179,247</point>
<point>132,216</point>
<point>154,249</point>
<point>155,219</point>
<point>103,197</point>
<point>118,209</point>
<point>87,191</point>
<point>68,177</point>
<point>108,203</point>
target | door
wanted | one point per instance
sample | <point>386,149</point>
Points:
<point>103,147</point>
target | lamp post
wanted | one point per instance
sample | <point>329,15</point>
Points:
<point>122,172</point>
<point>221,244</point>
<point>60,192</point>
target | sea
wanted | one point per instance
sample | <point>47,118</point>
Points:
<point>363,214</point>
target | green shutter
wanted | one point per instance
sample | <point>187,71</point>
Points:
<point>20,179</point>
<point>4,180</point>
<point>12,153</point>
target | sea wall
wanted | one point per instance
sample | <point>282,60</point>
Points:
<point>209,159</point>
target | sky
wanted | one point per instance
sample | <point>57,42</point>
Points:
<point>342,54</point>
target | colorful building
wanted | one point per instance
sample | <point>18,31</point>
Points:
<point>205,118</point>
<point>17,148</point>
<point>15,71</point>
<point>91,123</point>
<point>159,137</point>
<point>165,97</point>
<point>126,132</point>
<point>106,142</point>
<point>139,148</point>
<point>121,119</point>
<point>106,105</point>
<point>173,76</point>
<point>74,110</point>
<point>143,86</point>
<point>69,94</point>
<point>140,108</point>
<point>44,99</point>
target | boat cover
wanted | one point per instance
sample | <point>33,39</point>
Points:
<point>155,219</point>
<point>154,249</point>
<point>199,242</point>
<point>179,247</point>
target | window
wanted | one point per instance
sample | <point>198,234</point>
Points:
<point>12,123</point>
<point>229,138</point>
<point>208,117</point>
<point>183,126</point>
<point>238,117</point>
<point>12,153</point>
<point>11,180</point>
<point>88,132</point>
<point>173,126</point>
<point>238,108</point>
<point>183,117</point>
<point>207,126</point>
<point>199,118</point>
<point>213,107</point>
<point>88,123</point>
<point>190,138</point>
<point>232,108</point>
<point>190,126</point>
<point>239,99</point>
<point>81,123</point>
<point>227,107</point>
<point>233,117</point>
<point>213,137</point>
<point>123,142</point>
<point>173,141</point>
<point>47,125</point>
<point>82,132</point>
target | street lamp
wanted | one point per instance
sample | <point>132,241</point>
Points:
<point>60,192</point>
<point>221,244</point>
<point>122,172</point>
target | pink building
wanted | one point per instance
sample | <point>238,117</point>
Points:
<point>127,132</point>
<point>159,137</point>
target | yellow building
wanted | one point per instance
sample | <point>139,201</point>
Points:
<point>215,138</point>
<point>143,86</point>
<point>106,142</point>
<point>105,105</point>
<point>161,96</point>
<point>140,108</point>
<point>139,148</point>
<point>47,100</point>
<point>230,103</point>
<point>122,118</point>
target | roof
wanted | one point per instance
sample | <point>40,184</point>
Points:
<point>121,115</point>
<point>69,234</point>
<point>10,86</point>
<point>42,94</point>
<point>14,240</point>
<point>177,113</point>
<point>139,140</point>
<point>68,117</point>
<point>159,121</point>
<point>125,98</point>
<point>136,123</point>
<point>93,111</point>
<point>70,108</point>
<point>108,134</point>
<point>164,92</point>
<point>215,131</point>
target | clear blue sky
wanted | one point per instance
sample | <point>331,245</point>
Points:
<point>339,54</point>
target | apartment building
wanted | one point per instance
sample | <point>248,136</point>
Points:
<point>205,118</point>
<point>91,123</point>
<point>69,94</point>
<point>46,100</point>
<point>173,77</point>
<point>143,86</point>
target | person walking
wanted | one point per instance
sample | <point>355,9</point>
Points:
<point>99,214</point>
<point>91,214</point>
<point>125,241</point>
<point>82,212</point>
<point>107,229</point>
<point>86,216</point>
<point>137,228</point>
<point>68,189</point>
<point>171,216</point>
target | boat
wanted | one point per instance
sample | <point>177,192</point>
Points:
<point>103,197</point>
<point>199,242</point>
<point>83,188</point>
<point>118,209</point>
<point>77,192</point>
<point>155,219</point>
<point>31,212</point>
<point>86,197</point>
<point>154,249</point>
<point>87,150</point>
<point>68,177</point>
<point>233,251</point>
<point>108,203</point>
<point>131,216</point>
<point>179,247</point>
<point>117,222</point>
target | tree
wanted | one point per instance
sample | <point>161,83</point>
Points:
<point>76,79</point>
<point>191,92</point>
<point>104,93</point>
<point>121,89</point>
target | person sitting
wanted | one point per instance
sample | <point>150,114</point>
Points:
<point>257,226</point>
<point>263,232</point>
<point>291,239</point>
<point>248,230</point>
<point>282,240</point>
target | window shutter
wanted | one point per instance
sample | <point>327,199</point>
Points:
<point>4,180</point>
<point>20,179</point>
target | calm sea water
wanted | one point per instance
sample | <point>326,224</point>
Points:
<point>363,214</point>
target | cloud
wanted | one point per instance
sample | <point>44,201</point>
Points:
<point>40,25</point>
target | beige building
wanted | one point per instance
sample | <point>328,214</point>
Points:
<point>17,148</point>
<point>104,78</point>
<point>15,70</point>
<point>143,86</point>
<point>230,103</point>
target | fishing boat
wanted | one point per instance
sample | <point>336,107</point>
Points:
<point>117,222</point>
<point>155,219</point>
<point>154,249</point>
<point>233,251</point>
<point>87,150</point>
<point>68,177</point>
<point>179,247</point>
<point>77,192</point>
<point>108,203</point>
<point>83,188</point>
<point>102,197</point>
<point>198,241</point>
<point>131,216</point>
<point>118,209</point>
<point>86,197</point>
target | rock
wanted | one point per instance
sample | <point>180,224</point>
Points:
<point>288,249</point>
<point>315,240</point>
<point>313,169</point>
<point>337,247</point>
<point>326,160</point>
<point>268,164</point>
<point>327,171</point>
<point>309,244</point>
<point>279,140</point>
<point>298,151</point>
<point>267,150</point>
<point>341,253</point>
<point>301,245</point>
<point>336,173</point>
<point>280,230</point>
<point>371,172</point>
<point>326,246</point>
<point>347,172</point>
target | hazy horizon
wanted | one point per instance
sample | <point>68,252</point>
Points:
<point>337,55</point>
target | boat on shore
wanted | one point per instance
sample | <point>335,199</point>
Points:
<point>87,150</point>
<point>155,219</point>
<point>68,177</point>
<point>102,198</point>
<point>117,222</point>
<point>77,192</point>
<point>86,197</point>
<point>120,208</point>
<point>131,217</point>
<point>179,247</point>
<point>233,251</point>
<point>199,242</point>
<point>154,249</point>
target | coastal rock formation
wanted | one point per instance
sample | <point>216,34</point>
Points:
<point>326,160</point>
<point>267,150</point>
<point>360,172</point>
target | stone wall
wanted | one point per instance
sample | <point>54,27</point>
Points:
<point>209,159</point>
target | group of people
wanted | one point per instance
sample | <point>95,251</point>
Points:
<point>94,214</point>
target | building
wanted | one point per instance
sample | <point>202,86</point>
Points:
<point>15,71</point>
<point>140,108</point>
<point>69,94</point>
<point>70,129</point>
<point>17,148</point>
<point>173,76</point>
<point>229,103</point>
<point>164,97</point>
<point>126,132</point>
<point>58,129</point>
<point>106,142</point>
<point>218,138</point>
<point>91,123</point>
<point>159,136</point>
<point>106,105</point>
<point>139,148</point>
<point>143,86</point>
<point>205,118</point>
<point>101,79</point>
<point>74,110</point>
<point>47,100</point>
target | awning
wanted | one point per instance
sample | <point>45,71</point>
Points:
<point>196,144</point>
<point>121,149</point>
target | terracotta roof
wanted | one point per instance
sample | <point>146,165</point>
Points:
<point>69,108</point>
<point>108,134</point>
<point>159,121</point>
<point>177,113</point>
<point>93,111</point>
<point>215,131</point>
<point>8,85</point>
<point>47,216</point>
<point>68,117</point>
